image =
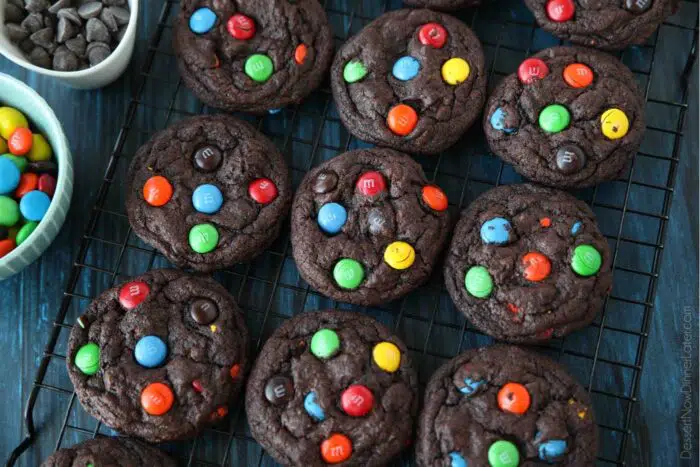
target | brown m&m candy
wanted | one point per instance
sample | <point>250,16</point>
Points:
<point>204,311</point>
<point>638,6</point>
<point>279,390</point>
<point>325,181</point>
<point>207,158</point>
<point>570,159</point>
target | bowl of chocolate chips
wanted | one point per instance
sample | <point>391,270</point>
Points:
<point>85,43</point>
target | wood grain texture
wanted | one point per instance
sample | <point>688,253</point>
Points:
<point>92,121</point>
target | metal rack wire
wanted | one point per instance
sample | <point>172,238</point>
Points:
<point>633,213</point>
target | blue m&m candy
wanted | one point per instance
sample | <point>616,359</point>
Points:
<point>576,228</point>
<point>471,386</point>
<point>312,408</point>
<point>34,205</point>
<point>495,231</point>
<point>456,460</point>
<point>552,450</point>
<point>498,121</point>
<point>202,21</point>
<point>406,68</point>
<point>332,218</point>
<point>9,176</point>
<point>207,199</point>
<point>150,351</point>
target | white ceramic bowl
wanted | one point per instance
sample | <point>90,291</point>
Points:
<point>14,93</point>
<point>92,78</point>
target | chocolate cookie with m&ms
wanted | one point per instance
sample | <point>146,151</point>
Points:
<point>159,357</point>
<point>411,80</point>
<point>503,406</point>
<point>116,452</point>
<point>528,263</point>
<point>368,227</point>
<point>253,55</point>
<point>569,117</point>
<point>209,192</point>
<point>332,387</point>
<point>606,24</point>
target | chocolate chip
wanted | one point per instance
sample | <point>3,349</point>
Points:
<point>16,32</point>
<point>26,45</point>
<point>325,182</point>
<point>59,5</point>
<point>35,6</point>
<point>77,45</point>
<point>109,20</point>
<point>122,15</point>
<point>570,159</point>
<point>207,158</point>
<point>49,22</point>
<point>65,60</point>
<point>204,311</point>
<point>33,22</point>
<point>90,10</point>
<point>114,2</point>
<point>72,15</point>
<point>96,31</point>
<point>40,57</point>
<point>279,390</point>
<point>43,38</point>
<point>119,36</point>
<point>65,30</point>
<point>97,52</point>
<point>14,14</point>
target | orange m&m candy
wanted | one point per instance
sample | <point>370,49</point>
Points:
<point>300,54</point>
<point>157,191</point>
<point>537,266</point>
<point>20,142</point>
<point>434,197</point>
<point>578,75</point>
<point>545,222</point>
<point>27,182</point>
<point>514,398</point>
<point>402,119</point>
<point>336,449</point>
<point>157,399</point>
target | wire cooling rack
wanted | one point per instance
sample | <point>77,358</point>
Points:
<point>633,211</point>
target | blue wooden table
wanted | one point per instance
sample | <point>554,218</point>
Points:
<point>92,122</point>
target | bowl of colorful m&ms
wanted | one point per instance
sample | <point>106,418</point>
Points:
<point>36,175</point>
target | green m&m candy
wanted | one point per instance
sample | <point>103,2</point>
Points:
<point>9,211</point>
<point>325,343</point>
<point>88,359</point>
<point>259,67</point>
<point>354,71</point>
<point>203,238</point>
<point>554,118</point>
<point>478,282</point>
<point>25,232</point>
<point>503,454</point>
<point>586,260</point>
<point>348,273</point>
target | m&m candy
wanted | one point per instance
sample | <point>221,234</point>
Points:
<point>371,183</point>
<point>433,35</point>
<point>47,184</point>
<point>536,266</point>
<point>514,398</point>
<point>354,71</point>
<point>9,211</point>
<point>332,217</point>
<point>300,54</point>
<point>406,68</point>
<point>560,11</point>
<point>9,176</point>
<point>551,450</point>
<point>34,205</point>
<point>586,260</point>
<point>554,118</point>
<point>336,449</point>
<point>325,344</point>
<point>87,359</point>
<point>471,386</point>
<point>478,282</point>
<point>20,142</point>
<point>532,69</point>
<point>357,400</point>
<point>457,460</point>
<point>312,407</point>
<point>157,191</point>
<point>10,120</point>
<point>262,190</point>
<point>495,231</point>
<point>399,255</point>
<point>578,75</point>
<point>455,71</point>
<point>202,20</point>
<point>387,356</point>
<point>132,294</point>
<point>150,351</point>
<point>614,124</point>
<point>6,246</point>
<point>203,238</point>
<point>207,158</point>
<point>434,198</point>
<point>503,454</point>
<point>207,199</point>
<point>259,67</point>
<point>279,390</point>
<point>41,150</point>
<point>570,159</point>
<point>498,121</point>
<point>241,27</point>
<point>204,311</point>
<point>157,399</point>
<point>348,274</point>
<point>25,231</point>
<point>402,119</point>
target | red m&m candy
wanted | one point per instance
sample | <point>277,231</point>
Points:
<point>20,142</point>
<point>560,10</point>
<point>532,69</point>
<point>132,294</point>
<point>371,183</point>
<point>262,190</point>
<point>241,27</point>
<point>432,34</point>
<point>27,182</point>
<point>6,246</point>
<point>357,400</point>
<point>47,184</point>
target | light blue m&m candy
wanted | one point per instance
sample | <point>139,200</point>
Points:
<point>498,121</point>
<point>150,351</point>
<point>471,386</point>
<point>312,408</point>
<point>207,199</point>
<point>495,231</point>
<point>202,21</point>
<point>552,450</point>
<point>406,68</point>
<point>9,176</point>
<point>34,205</point>
<point>332,218</point>
<point>456,460</point>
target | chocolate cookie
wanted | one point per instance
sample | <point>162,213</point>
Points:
<point>505,407</point>
<point>159,357</point>
<point>569,117</point>
<point>208,192</point>
<point>115,452</point>
<point>528,263</point>
<point>367,227</point>
<point>605,24</point>
<point>412,80</point>
<point>332,387</point>
<point>252,55</point>
<point>445,5</point>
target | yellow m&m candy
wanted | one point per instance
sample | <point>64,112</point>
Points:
<point>614,123</point>
<point>455,71</point>
<point>387,356</point>
<point>399,255</point>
